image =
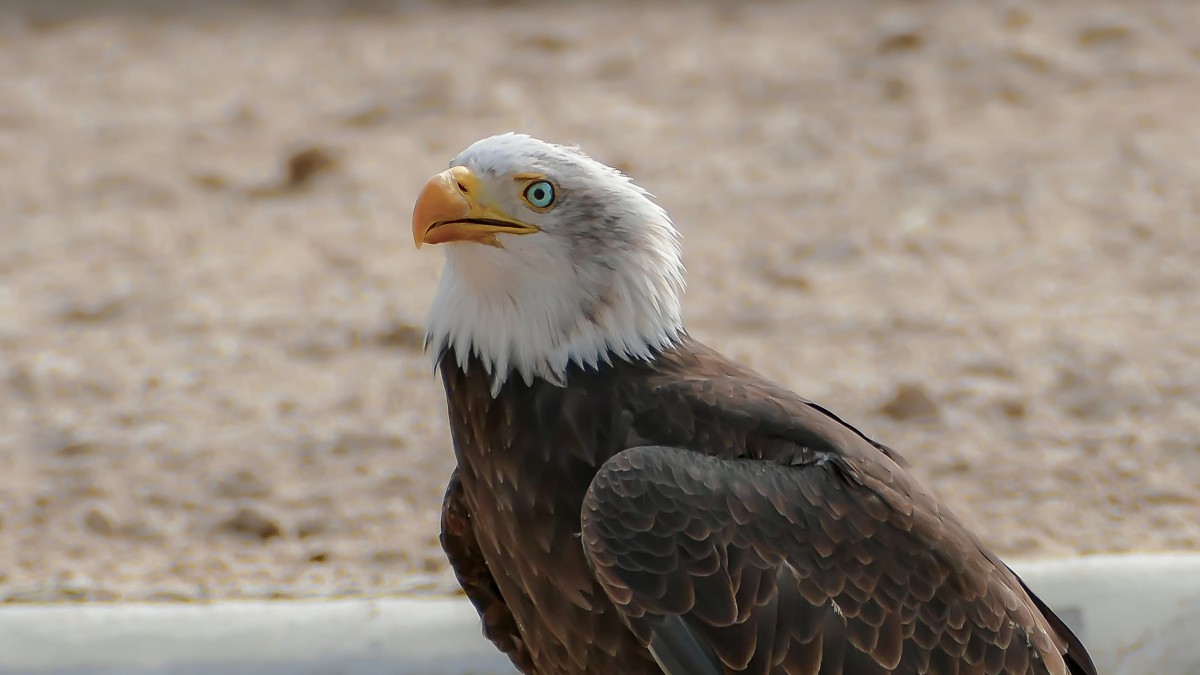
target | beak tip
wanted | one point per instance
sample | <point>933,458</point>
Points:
<point>438,201</point>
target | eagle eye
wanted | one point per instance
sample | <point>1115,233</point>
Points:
<point>539,194</point>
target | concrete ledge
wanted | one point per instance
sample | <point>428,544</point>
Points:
<point>434,636</point>
<point>1138,614</point>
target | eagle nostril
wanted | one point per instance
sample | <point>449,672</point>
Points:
<point>462,188</point>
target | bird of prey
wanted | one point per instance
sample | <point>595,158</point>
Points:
<point>628,501</point>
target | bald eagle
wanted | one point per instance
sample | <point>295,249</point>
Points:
<point>628,501</point>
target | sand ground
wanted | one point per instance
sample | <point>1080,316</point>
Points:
<point>973,229</point>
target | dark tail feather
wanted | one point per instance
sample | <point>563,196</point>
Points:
<point>1077,658</point>
<point>678,651</point>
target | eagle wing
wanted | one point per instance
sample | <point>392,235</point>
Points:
<point>462,549</point>
<point>800,547</point>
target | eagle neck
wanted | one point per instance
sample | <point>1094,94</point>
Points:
<point>517,324</point>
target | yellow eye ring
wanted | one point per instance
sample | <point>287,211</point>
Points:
<point>539,194</point>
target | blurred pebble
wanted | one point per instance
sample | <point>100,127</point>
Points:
<point>249,522</point>
<point>911,402</point>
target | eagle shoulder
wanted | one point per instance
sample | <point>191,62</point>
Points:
<point>759,533</point>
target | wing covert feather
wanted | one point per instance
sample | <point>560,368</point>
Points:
<point>837,565</point>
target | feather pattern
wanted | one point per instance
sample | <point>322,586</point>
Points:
<point>684,514</point>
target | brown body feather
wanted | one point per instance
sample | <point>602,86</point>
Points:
<point>688,516</point>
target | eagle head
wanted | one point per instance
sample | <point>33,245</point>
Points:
<point>552,259</point>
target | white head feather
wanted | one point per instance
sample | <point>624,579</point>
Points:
<point>603,279</point>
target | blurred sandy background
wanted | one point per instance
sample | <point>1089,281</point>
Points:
<point>971,228</point>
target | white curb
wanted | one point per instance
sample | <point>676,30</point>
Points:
<point>1138,614</point>
<point>397,636</point>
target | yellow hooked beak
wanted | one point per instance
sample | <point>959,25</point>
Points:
<point>448,210</point>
